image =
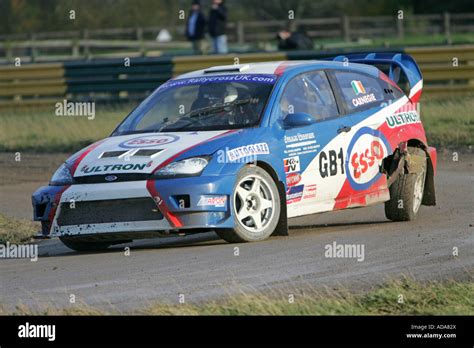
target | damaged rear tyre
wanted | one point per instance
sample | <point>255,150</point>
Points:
<point>80,244</point>
<point>406,193</point>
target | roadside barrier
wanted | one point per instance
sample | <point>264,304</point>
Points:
<point>447,72</point>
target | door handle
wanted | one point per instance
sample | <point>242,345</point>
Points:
<point>344,129</point>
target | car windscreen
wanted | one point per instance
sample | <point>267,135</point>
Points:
<point>202,103</point>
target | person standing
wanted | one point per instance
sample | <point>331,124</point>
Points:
<point>217,26</point>
<point>195,27</point>
<point>288,40</point>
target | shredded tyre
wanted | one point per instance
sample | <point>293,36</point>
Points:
<point>406,192</point>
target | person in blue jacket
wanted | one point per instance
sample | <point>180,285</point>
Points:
<point>217,26</point>
<point>195,27</point>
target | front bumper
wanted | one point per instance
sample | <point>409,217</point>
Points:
<point>135,206</point>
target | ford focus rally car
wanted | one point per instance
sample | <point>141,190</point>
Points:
<point>240,149</point>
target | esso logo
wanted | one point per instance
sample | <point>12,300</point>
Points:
<point>149,141</point>
<point>365,154</point>
<point>293,179</point>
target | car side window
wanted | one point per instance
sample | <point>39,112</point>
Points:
<point>359,91</point>
<point>309,93</point>
<point>326,103</point>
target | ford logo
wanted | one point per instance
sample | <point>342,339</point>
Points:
<point>111,178</point>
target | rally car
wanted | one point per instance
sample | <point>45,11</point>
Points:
<point>240,149</point>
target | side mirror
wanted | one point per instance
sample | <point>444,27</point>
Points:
<point>298,119</point>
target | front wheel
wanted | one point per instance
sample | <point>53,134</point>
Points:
<point>406,193</point>
<point>256,207</point>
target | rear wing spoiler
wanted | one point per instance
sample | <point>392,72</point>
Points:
<point>400,68</point>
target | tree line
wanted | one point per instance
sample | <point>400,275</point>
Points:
<point>21,16</point>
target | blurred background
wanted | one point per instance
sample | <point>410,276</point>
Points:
<point>113,53</point>
<point>44,30</point>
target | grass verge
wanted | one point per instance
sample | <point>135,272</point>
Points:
<point>448,123</point>
<point>16,231</point>
<point>432,298</point>
<point>43,131</point>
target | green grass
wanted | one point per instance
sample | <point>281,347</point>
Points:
<point>431,298</point>
<point>16,231</point>
<point>448,123</point>
<point>43,131</point>
<point>328,44</point>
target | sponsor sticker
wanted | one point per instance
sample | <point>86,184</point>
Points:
<point>293,179</point>
<point>402,119</point>
<point>309,191</point>
<point>114,168</point>
<point>365,154</point>
<point>294,194</point>
<point>149,141</point>
<point>212,201</point>
<point>248,150</point>
<point>202,80</point>
<point>292,164</point>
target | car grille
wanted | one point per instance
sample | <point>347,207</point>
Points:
<point>99,179</point>
<point>107,211</point>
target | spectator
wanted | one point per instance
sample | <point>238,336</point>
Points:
<point>217,26</point>
<point>288,40</point>
<point>195,27</point>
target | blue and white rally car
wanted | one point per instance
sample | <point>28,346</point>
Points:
<point>240,149</point>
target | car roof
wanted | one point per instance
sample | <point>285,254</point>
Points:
<point>278,68</point>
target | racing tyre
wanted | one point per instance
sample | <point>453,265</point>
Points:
<point>82,245</point>
<point>256,207</point>
<point>406,193</point>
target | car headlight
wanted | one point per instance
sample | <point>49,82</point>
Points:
<point>62,176</point>
<point>187,167</point>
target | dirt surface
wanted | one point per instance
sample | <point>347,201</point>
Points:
<point>203,267</point>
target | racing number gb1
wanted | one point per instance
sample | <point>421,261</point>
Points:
<point>329,163</point>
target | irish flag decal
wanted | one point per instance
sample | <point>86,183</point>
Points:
<point>358,88</point>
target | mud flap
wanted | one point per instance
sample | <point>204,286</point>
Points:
<point>413,164</point>
<point>429,194</point>
<point>282,227</point>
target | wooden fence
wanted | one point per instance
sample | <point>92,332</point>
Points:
<point>139,41</point>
